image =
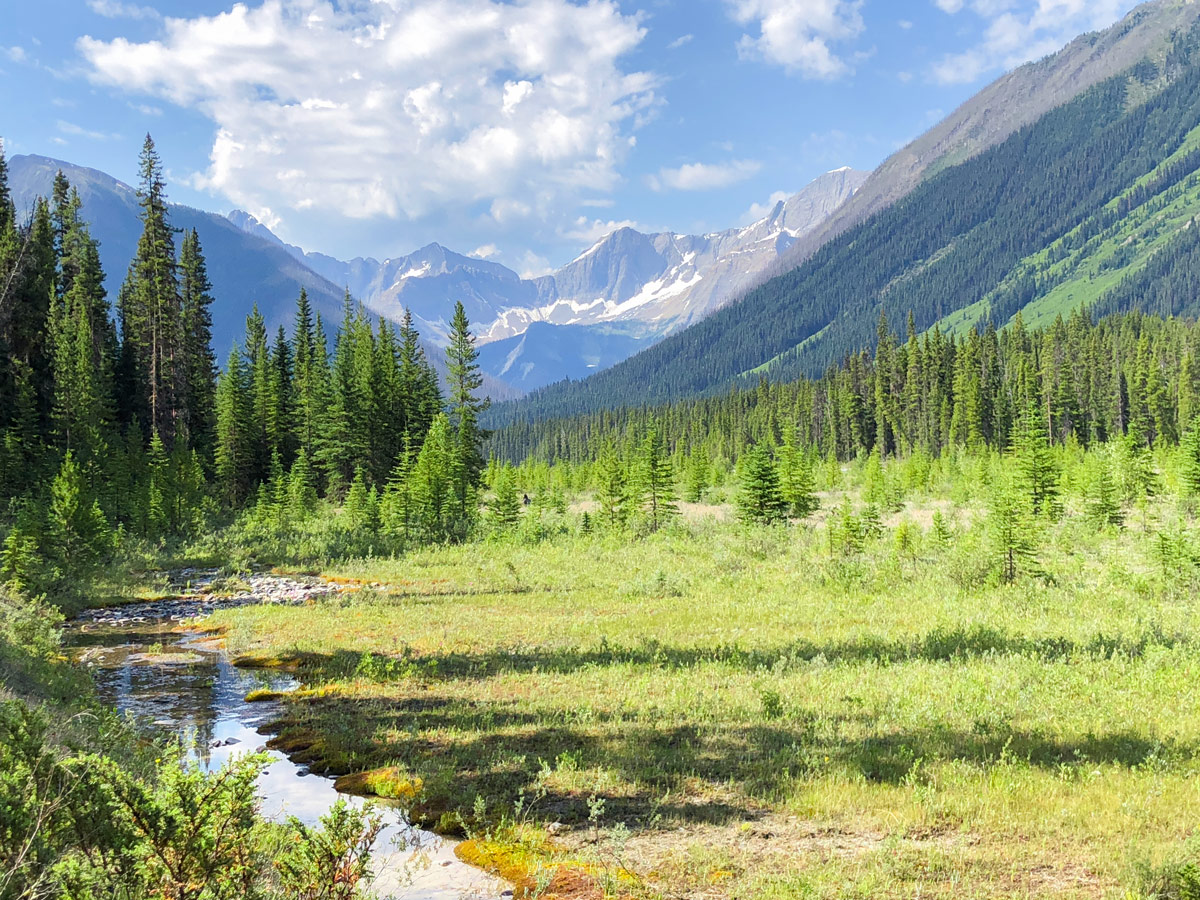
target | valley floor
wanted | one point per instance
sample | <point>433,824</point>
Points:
<point>738,712</point>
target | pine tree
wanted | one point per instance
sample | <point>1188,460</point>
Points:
<point>309,380</point>
<point>433,486</point>
<point>280,399</point>
<point>1103,497</point>
<point>1038,475</point>
<point>302,489</point>
<point>344,444</point>
<point>419,384</point>
<point>199,364</point>
<point>760,499</point>
<point>1012,532</point>
<point>1190,451</point>
<point>398,508</point>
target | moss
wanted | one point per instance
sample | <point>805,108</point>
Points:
<point>262,695</point>
<point>389,783</point>
<point>282,662</point>
<point>519,856</point>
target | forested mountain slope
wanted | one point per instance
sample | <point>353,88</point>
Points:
<point>1014,100</point>
<point>1063,213</point>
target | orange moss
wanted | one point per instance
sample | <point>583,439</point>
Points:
<point>519,860</point>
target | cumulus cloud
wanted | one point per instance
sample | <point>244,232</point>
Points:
<point>798,34</point>
<point>703,176</point>
<point>398,109</point>
<point>1018,31</point>
<point>487,251</point>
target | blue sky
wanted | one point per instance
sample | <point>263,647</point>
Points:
<point>520,131</point>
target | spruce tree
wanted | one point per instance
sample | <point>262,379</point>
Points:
<point>655,481</point>
<point>760,499</point>
<point>419,385</point>
<point>199,364</point>
<point>152,326</point>
<point>1037,470</point>
<point>78,536</point>
<point>612,489</point>
<point>796,482</point>
<point>234,452</point>
<point>465,378</point>
<point>696,477</point>
<point>433,486</point>
<point>504,511</point>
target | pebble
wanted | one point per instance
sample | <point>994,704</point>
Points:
<point>262,589</point>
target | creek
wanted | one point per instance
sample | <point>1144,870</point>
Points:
<point>150,663</point>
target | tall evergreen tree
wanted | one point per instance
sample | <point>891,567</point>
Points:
<point>466,378</point>
<point>151,312</point>
<point>199,365</point>
<point>235,451</point>
<point>655,481</point>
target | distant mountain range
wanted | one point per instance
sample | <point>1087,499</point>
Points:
<point>1070,183</point>
<point>623,294</point>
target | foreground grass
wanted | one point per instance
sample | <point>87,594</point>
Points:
<point>730,712</point>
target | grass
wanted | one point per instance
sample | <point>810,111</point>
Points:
<point>725,711</point>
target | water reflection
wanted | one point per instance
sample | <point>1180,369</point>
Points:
<point>182,686</point>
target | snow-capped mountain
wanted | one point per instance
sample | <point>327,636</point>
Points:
<point>647,285</point>
<point>664,282</point>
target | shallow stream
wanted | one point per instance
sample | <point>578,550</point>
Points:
<point>180,683</point>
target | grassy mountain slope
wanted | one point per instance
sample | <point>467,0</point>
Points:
<point>1064,209</point>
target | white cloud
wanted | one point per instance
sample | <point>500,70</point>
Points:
<point>680,41</point>
<point>78,131</point>
<point>1018,31</point>
<point>762,210</point>
<point>534,266</point>
<point>799,34</point>
<point>703,176</point>
<point>487,251</point>
<point>113,9</point>
<point>399,109</point>
<point>589,231</point>
<point>16,54</point>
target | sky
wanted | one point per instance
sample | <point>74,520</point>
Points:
<point>515,130</point>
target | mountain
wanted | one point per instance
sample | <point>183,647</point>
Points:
<point>654,284</point>
<point>1012,102</point>
<point>544,353</point>
<point>1094,203</point>
<point>661,283</point>
<point>244,268</point>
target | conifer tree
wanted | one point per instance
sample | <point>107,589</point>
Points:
<point>433,486</point>
<point>308,379</point>
<point>760,499</point>
<point>280,399</point>
<point>796,482</point>
<point>235,436</point>
<point>399,505</point>
<point>419,384</point>
<point>151,312</point>
<point>1012,532</point>
<point>302,488</point>
<point>199,364</point>
<point>505,508</point>
<point>465,378</point>
<point>344,442</point>
<point>655,481</point>
<point>1038,476</point>
<point>78,536</point>
<point>612,490</point>
<point>697,476</point>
